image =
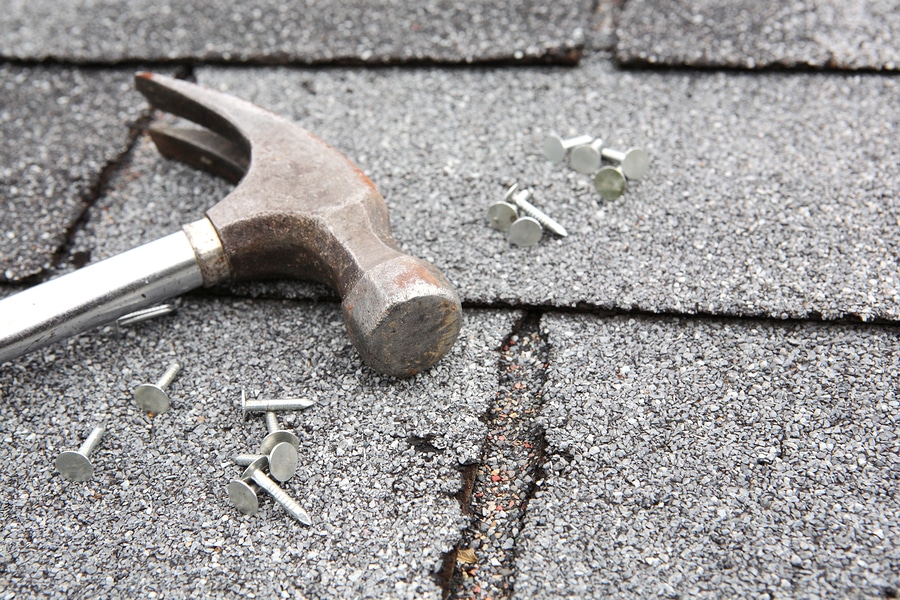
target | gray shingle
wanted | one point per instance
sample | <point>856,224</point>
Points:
<point>60,128</point>
<point>155,517</point>
<point>767,195</point>
<point>827,34</point>
<point>315,31</point>
<point>722,459</point>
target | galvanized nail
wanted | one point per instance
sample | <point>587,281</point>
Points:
<point>501,215</point>
<point>254,472</point>
<point>610,182</point>
<point>280,446</point>
<point>634,162</point>
<point>586,158</point>
<point>526,231</point>
<point>520,199</point>
<point>244,495</point>
<point>556,148</point>
<point>75,465</point>
<point>151,397</point>
<point>283,459</point>
<point>276,404</point>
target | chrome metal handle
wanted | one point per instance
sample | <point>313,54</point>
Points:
<point>97,294</point>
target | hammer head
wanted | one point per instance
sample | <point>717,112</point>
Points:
<point>302,210</point>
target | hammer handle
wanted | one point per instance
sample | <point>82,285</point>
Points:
<point>97,294</point>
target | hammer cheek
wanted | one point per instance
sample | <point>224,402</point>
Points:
<point>301,209</point>
<point>403,316</point>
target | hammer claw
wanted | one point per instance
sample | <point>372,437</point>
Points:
<point>203,150</point>
<point>212,110</point>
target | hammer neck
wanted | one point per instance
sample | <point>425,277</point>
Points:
<point>211,258</point>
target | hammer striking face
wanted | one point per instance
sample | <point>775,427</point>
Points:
<point>300,210</point>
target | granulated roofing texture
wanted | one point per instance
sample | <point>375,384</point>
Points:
<point>379,459</point>
<point>60,127</point>
<point>724,458</point>
<point>315,31</point>
<point>768,194</point>
<point>821,34</point>
<point>680,455</point>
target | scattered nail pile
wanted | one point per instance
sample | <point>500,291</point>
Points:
<point>277,455</point>
<point>586,155</point>
<point>75,465</point>
<point>525,223</point>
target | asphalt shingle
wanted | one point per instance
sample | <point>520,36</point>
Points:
<point>822,34</point>
<point>315,31</point>
<point>155,519</point>
<point>715,458</point>
<point>694,456</point>
<point>60,128</point>
<point>768,195</point>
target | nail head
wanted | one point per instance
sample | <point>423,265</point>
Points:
<point>585,159</point>
<point>610,182</point>
<point>151,398</point>
<point>283,461</point>
<point>243,496</point>
<point>277,437</point>
<point>554,149</point>
<point>635,163</point>
<point>526,231</point>
<point>501,215</point>
<point>74,466</point>
<point>260,464</point>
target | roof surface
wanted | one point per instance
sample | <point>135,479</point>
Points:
<point>694,393</point>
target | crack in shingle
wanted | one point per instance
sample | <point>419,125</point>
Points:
<point>500,487</point>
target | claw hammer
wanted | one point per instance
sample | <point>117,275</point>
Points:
<point>300,209</point>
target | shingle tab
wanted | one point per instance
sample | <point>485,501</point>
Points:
<point>60,128</point>
<point>155,518</point>
<point>767,195</point>
<point>715,458</point>
<point>820,34</point>
<point>312,31</point>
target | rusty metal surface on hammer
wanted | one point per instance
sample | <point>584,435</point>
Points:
<point>300,209</point>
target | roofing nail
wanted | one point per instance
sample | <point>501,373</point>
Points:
<point>151,397</point>
<point>610,182</point>
<point>75,465</point>
<point>274,404</point>
<point>520,199</point>
<point>244,495</point>
<point>254,472</point>
<point>634,162</point>
<point>501,215</point>
<point>282,458</point>
<point>556,148</point>
<point>526,231</point>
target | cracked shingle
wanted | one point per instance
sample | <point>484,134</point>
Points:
<point>737,458</point>
<point>155,518</point>
<point>60,128</point>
